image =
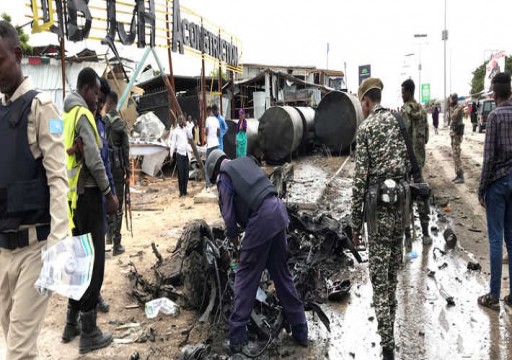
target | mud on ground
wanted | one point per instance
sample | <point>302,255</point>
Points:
<point>426,327</point>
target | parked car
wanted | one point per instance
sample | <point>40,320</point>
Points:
<point>484,108</point>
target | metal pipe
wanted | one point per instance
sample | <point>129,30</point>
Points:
<point>135,74</point>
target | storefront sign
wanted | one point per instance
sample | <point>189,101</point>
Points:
<point>143,22</point>
<point>364,72</point>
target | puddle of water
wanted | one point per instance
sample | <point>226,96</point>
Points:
<point>307,185</point>
<point>425,327</point>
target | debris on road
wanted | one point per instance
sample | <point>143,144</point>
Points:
<point>474,266</point>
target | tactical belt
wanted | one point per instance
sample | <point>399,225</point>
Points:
<point>19,239</point>
<point>373,201</point>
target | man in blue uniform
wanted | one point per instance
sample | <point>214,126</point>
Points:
<point>248,198</point>
<point>102,130</point>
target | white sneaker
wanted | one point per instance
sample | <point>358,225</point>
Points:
<point>207,189</point>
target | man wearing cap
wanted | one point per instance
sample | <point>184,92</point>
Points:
<point>381,166</point>
<point>456,133</point>
<point>248,198</point>
<point>415,119</point>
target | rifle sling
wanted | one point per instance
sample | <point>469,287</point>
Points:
<point>416,173</point>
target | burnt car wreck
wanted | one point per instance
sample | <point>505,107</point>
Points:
<point>200,272</point>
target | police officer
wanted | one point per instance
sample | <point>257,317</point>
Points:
<point>415,119</point>
<point>88,182</point>
<point>248,198</point>
<point>102,131</point>
<point>33,196</point>
<point>381,163</point>
<point>456,133</point>
<point>119,149</point>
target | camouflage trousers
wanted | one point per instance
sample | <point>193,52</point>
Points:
<point>385,255</point>
<point>456,142</point>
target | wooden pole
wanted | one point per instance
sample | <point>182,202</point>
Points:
<point>220,82</point>
<point>203,85</point>
<point>174,107</point>
<point>174,101</point>
<point>171,72</point>
<point>220,86</point>
<point>233,105</point>
<point>63,65</point>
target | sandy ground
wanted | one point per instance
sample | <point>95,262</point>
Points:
<point>159,216</point>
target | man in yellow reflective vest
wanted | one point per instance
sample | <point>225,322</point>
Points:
<point>87,183</point>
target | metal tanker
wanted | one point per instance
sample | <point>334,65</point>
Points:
<point>337,118</point>
<point>282,129</point>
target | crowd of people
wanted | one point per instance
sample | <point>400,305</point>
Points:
<point>72,172</point>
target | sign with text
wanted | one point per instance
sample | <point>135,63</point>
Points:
<point>496,64</point>
<point>425,93</point>
<point>364,72</point>
<point>144,22</point>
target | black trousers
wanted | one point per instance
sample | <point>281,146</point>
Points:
<point>115,221</point>
<point>183,167</point>
<point>88,218</point>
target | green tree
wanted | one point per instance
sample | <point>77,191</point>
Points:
<point>27,49</point>
<point>477,83</point>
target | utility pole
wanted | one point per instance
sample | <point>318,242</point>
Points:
<point>419,66</point>
<point>444,37</point>
<point>327,67</point>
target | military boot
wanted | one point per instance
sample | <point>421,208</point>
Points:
<point>427,240</point>
<point>118,249</point>
<point>459,179</point>
<point>102,305</point>
<point>72,327</point>
<point>388,354</point>
<point>92,337</point>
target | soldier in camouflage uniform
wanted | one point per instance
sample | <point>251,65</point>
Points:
<point>381,154</point>
<point>456,133</point>
<point>415,119</point>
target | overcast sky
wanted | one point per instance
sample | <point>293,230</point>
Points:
<point>375,32</point>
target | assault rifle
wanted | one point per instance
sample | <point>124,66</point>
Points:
<point>128,209</point>
<point>419,188</point>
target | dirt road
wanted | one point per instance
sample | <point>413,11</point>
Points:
<point>426,327</point>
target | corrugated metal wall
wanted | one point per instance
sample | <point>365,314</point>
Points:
<point>48,77</point>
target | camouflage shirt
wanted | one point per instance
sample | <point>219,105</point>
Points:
<point>456,114</point>
<point>381,154</point>
<point>415,119</point>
